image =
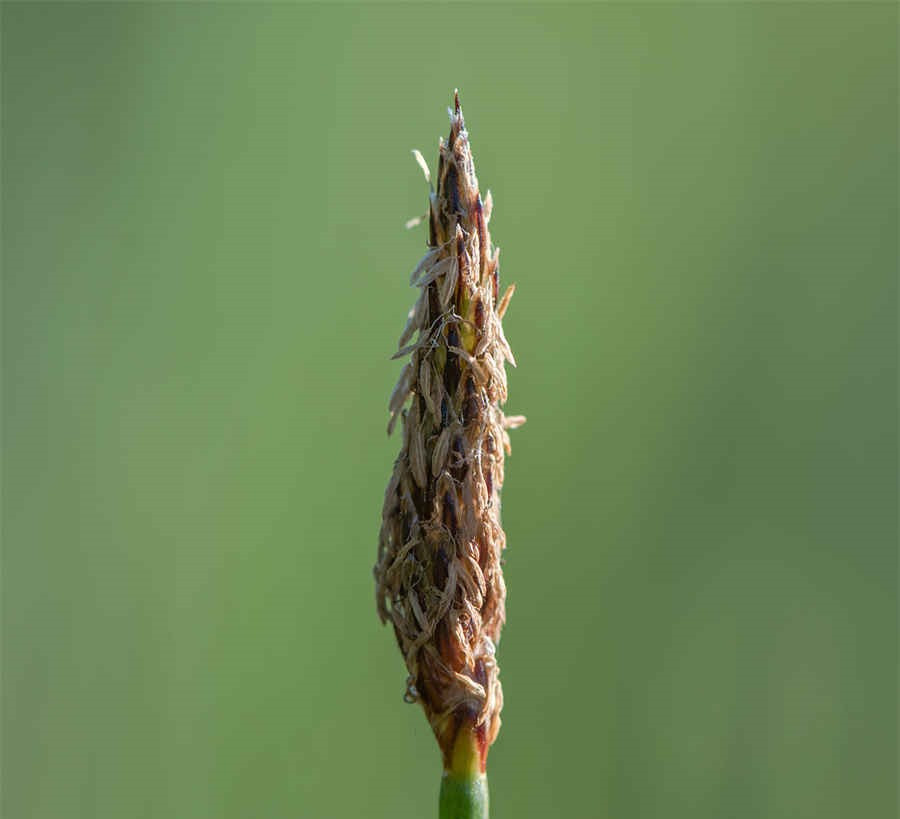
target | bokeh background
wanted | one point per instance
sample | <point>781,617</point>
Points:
<point>205,272</point>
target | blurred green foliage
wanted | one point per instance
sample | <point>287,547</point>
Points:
<point>205,272</point>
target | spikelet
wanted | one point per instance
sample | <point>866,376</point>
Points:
<point>438,575</point>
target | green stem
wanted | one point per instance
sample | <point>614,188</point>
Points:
<point>464,796</point>
<point>464,788</point>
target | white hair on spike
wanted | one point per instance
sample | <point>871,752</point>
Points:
<point>423,165</point>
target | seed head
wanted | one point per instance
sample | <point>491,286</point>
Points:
<point>438,575</point>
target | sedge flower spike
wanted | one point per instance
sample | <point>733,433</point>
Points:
<point>438,575</point>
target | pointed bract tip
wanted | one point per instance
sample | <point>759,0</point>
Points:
<point>457,123</point>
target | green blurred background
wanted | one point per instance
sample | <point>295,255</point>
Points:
<point>205,271</point>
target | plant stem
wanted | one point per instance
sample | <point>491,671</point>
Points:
<point>464,797</point>
<point>464,788</point>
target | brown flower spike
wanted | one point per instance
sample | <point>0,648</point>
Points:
<point>438,575</point>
